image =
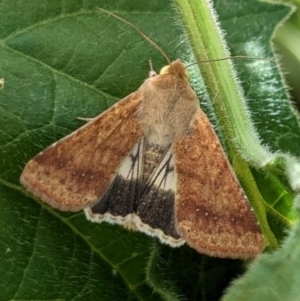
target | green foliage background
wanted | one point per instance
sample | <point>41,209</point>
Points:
<point>61,60</point>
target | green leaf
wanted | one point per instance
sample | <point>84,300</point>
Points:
<point>63,60</point>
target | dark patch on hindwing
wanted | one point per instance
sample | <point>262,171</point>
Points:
<point>143,187</point>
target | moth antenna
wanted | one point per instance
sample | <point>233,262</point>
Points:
<point>150,64</point>
<point>139,31</point>
<point>231,57</point>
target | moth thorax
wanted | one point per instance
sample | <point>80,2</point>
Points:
<point>159,134</point>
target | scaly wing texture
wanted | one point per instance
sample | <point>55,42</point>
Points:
<point>212,212</point>
<point>142,194</point>
<point>76,171</point>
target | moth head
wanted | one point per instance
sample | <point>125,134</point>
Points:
<point>177,68</point>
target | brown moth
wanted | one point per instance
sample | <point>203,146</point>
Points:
<point>152,161</point>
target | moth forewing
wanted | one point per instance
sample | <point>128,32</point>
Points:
<point>212,211</point>
<point>76,171</point>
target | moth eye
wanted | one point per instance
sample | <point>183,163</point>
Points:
<point>164,70</point>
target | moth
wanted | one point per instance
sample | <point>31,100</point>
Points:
<point>152,161</point>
